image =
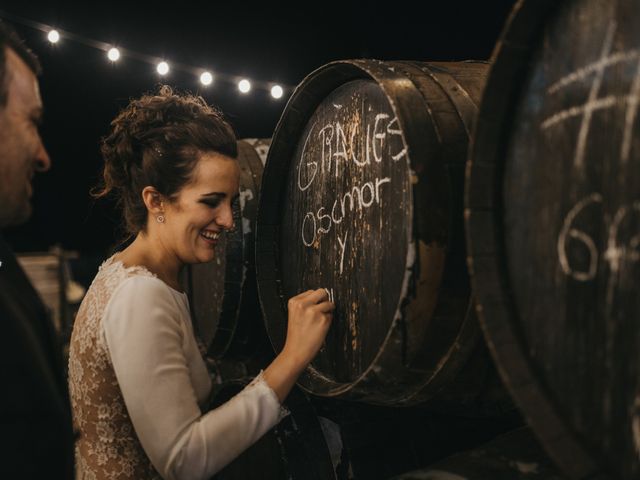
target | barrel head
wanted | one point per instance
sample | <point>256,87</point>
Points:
<point>554,210</point>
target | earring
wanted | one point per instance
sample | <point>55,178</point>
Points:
<point>160,218</point>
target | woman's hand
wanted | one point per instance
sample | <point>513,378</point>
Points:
<point>310,315</point>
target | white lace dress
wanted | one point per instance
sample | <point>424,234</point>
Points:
<point>138,382</point>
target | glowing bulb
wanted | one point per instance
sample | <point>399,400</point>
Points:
<point>206,78</point>
<point>163,68</point>
<point>276,91</point>
<point>244,85</point>
<point>113,54</point>
<point>53,36</point>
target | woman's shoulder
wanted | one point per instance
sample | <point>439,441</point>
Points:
<point>115,282</point>
<point>114,272</point>
<point>142,295</point>
<point>113,267</point>
<point>139,284</point>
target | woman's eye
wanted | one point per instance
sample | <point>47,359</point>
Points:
<point>212,202</point>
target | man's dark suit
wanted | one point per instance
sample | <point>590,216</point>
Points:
<point>35,418</point>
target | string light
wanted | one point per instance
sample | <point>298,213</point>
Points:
<point>53,36</point>
<point>113,54</point>
<point>276,91</point>
<point>206,78</point>
<point>244,85</point>
<point>162,67</point>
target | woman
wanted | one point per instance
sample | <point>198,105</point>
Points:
<point>137,380</point>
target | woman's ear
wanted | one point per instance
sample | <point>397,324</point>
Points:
<point>153,200</point>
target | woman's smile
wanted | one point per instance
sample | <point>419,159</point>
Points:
<point>210,237</point>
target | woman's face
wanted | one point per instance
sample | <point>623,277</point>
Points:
<point>196,219</point>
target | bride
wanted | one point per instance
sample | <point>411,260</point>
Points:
<point>136,377</point>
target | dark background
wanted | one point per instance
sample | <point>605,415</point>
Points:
<point>82,91</point>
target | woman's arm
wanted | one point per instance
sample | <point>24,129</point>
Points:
<point>144,331</point>
<point>310,315</point>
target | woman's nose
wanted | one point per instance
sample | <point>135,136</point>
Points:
<point>226,218</point>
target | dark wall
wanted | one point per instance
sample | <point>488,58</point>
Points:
<point>82,91</point>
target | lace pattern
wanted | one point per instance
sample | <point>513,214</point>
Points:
<point>108,447</point>
<point>261,384</point>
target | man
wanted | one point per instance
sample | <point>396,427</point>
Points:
<point>35,418</point>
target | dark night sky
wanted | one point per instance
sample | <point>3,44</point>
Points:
<point>264,41</point>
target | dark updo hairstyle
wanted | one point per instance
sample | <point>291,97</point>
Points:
<point>156,141</point>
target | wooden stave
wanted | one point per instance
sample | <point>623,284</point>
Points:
<point>238,328</point>
<point>298,438</point>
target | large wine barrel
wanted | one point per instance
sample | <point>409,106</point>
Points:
<point>362,195</point>
<point>377,442</point>
<point>47,273</point>
<point>222,293</point>
<point>325,439</point>
<point>294,449</point>
<point>553,225</point>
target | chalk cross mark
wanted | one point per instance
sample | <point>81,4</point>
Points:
<point>594,103</point>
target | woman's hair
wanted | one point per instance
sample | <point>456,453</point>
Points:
<point>156,141</point>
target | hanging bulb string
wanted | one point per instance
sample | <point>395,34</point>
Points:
<point>205,76</point>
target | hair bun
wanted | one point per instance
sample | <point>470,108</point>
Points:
<point>156,141</point>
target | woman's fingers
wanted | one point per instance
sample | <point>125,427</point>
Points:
<point>310,297</point>
<point>309,318</point>
<point>326,307</point>
<point>317,296</point>
<point>305,293</point>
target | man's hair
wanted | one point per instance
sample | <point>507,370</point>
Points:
<point>9,39</point>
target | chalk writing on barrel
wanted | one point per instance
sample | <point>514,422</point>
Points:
<point>573,233</point>
<point>330,150</point>
<point>616,251</point>
<point>339,147</point>
<point>358,198</point>
<point>597,69</point>
<point>330,294</point>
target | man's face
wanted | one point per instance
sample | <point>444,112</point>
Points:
<point>21,150</point>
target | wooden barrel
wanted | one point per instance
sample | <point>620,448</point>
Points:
<point>362,195</point>
<point>223,291</point>
<point>377,442</point>
<point>294,449</point>
<point>47,272</point>
<point>326,438</point>
<point>513,456</point>
<point>553,226</point>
